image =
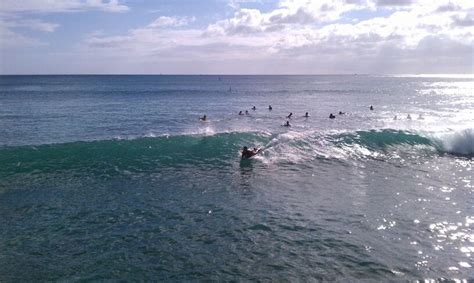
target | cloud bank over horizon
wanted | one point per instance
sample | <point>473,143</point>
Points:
<point>237,37</point>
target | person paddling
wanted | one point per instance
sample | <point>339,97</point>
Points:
<point>246,153</point>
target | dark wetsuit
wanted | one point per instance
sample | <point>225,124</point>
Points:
<point>246,154</point>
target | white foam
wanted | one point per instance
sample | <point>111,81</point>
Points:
<point>206,131</point>
<point>457,142</point>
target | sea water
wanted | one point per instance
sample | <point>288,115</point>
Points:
<point>116,178</point>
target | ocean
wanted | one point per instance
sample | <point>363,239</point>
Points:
<point>116,178</point>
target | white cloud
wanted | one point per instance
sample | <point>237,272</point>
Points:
<point>302,36</point>
<point>289,12</point>
<point>164,21</point>
<point>12,13</point>
<point>235,4</point>
<point>51,6</point>
<point>32,24</point>
<point>10,39</point>
<point>302,32</point>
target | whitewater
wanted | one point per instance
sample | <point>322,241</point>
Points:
<point>115,177</point>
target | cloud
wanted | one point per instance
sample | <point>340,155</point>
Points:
<point>301,36</point>
<point>32,24</point>
<point>466,20</point>
<point>235,4</point>
<point>449,7</point>
<point>10,39</point>
<point>54,6</point>
<point>164,21</point>
<point>289,12</point>
<point>302,31</point>
<point>12,13</point>
<point>394,2</point>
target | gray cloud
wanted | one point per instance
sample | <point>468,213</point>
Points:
<point>394,2</point>
<point>450,7</point>
<point>301,16</point>
<point>463,21</point>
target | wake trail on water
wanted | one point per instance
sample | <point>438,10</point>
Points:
<point>218,150</point>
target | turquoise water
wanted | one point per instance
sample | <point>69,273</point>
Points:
<point>115,177</point>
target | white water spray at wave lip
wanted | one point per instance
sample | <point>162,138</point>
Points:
<point>457,142</point>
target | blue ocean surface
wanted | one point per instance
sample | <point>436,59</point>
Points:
<point>117,178</point>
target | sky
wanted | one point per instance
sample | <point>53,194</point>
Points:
<point>236,37</point>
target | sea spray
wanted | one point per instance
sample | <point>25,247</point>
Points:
<point>460,142</point>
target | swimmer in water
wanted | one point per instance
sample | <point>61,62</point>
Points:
<point>306,115</point>
<point>341,113</point>
<point>287,124</point>
<point>408,117</point>
<point>203,118</point>
<point>289,116</point>
<point>240,112</point>
<point>331,116</point>
<point>254,108</point>
<point>270,108</point>
<point>371,107</point>
<point>246,112</point>
<point>395,117</point>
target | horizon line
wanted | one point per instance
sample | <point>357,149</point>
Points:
<point>467,75</point>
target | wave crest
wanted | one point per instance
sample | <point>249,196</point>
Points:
<point>458,143</point>
<point>151,153</point>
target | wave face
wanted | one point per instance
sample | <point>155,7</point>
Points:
<point>142,154</point>
<point>148,154</point>
<point>459,143</point>
<point>383,139</point>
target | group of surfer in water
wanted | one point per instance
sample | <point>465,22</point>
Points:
<point>247,153</point>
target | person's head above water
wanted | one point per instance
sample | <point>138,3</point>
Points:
<point>245,148</point>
